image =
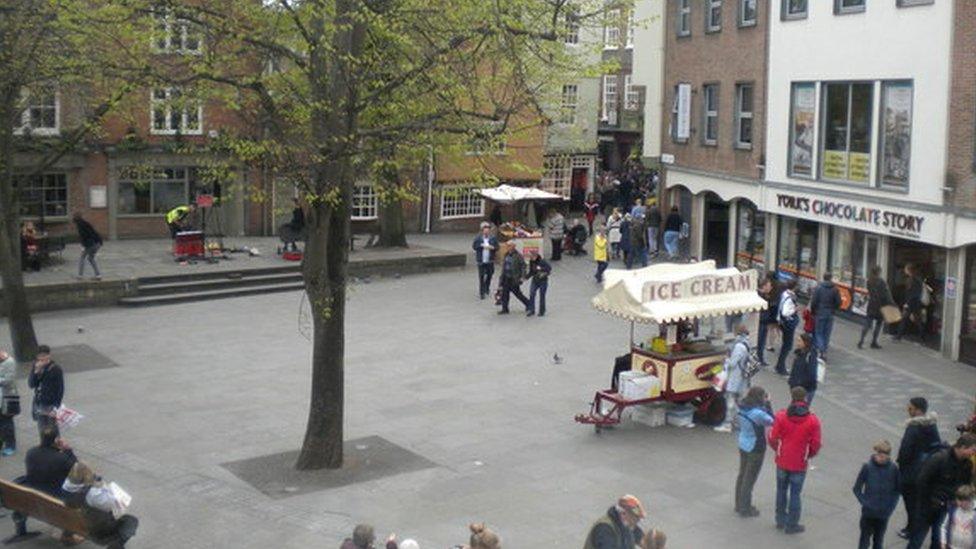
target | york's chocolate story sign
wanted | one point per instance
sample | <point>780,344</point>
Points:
<point>887,220</point>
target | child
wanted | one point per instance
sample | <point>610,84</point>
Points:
<point>808,323</point>
<point>957,528</point>
<point>600,254</point>
<point>877,488</point>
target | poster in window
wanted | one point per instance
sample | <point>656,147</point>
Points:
<point>860,167</point>
<point>684,111</point>
<point>897,129</point>
<point>801,143</point>
<point>835,164</point>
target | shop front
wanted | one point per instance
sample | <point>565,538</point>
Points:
<point>716,229</point>
<point>750,237</point>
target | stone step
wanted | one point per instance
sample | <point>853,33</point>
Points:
<point>225,282</point>
<point>220,275</point>
<point>188,297</point>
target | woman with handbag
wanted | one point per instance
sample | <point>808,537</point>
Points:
<point>9,403</point>
<point>879,295</point>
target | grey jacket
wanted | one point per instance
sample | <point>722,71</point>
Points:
<point>8,377</point>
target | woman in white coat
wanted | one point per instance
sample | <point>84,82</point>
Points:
<point>8,387</point>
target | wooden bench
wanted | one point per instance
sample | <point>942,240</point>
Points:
<point>40,506</point>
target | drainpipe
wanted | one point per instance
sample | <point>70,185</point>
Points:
<point>430,186</point>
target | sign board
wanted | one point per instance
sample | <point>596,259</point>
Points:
<point>667,159</point>
<point>700,286</point>
<point>683,131</point>
<point>951,285</point>
<point>98,196</point>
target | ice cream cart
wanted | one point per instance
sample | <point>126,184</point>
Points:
<point>690,310</point>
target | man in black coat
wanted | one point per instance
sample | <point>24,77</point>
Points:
<point>823,304</point>
<point>937,482</point>
<point>47,380</point>
<point>513,272</point>
<point>47,466</point>
<point>485,245</point>
<point>920,439</point>
<point>91,241</point>
<point>804,372</point>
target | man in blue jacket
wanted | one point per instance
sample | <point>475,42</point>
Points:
<point>804,372</point>
<point>824,302</point>
<point>485,245</point>
<point>877,488</point>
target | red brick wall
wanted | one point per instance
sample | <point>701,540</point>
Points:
<point>727,57</point>
<point>962,107</point>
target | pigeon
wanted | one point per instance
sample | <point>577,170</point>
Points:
<point>556,359</point>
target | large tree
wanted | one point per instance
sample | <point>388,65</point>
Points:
<point>350,88</point>
<point>86,54</point>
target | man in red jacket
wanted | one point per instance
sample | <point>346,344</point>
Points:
<point>795,437</point>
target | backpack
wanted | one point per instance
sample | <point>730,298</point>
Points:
<point>752,365</point>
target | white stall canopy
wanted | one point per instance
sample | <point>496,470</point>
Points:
<point>509,194</point>
<point>671,292</point>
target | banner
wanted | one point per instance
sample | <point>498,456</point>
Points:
<point>802,130</point>
<point>897,138</point>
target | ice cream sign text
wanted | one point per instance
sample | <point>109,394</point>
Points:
<point>700,286</point>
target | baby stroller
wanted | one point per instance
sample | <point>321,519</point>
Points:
<point>574,240</point>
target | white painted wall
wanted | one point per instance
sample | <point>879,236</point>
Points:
<point>648,69</point>
<point>885,42</point>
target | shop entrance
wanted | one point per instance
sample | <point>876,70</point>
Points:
<point>716,237</point>
<point>930,264</point>
<point>797,256</point>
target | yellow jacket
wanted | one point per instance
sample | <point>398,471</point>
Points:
<point>177,214</point>
<point>600,248</point>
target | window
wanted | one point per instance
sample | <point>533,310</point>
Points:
<point>684,18</point>
<point>631,95</point>
<point>750,249</point>
<point>611,30</point>
<point>609,114</point>
<point>631,27</point>
<point>852,255</point>
<point>794,9</point>
<point>364,202</point>
<point>846,147</point>
<point>155,190</point>
<point>459,201</point>
<point>710,114</point>
<point>743,116</point>
<point>174,34</point>
<point>44,195</point>
<point>910,3</point>
<point>895,134</point>
<point>173,112</point>
<point>747,13</point>
<point>849,6</point>
<point>803,105</point>
<point>681,113</point>
<point>570,101</point>
<point>556,174</point>
<point>571,26</point>
<point>40,116</point>
<point>490,139</point>
<point>713,15</point>
<point>798,252</point>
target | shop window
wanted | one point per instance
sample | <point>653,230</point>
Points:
<point>710,114</point>
<point>852,256</point>
<point>459,201</point>
<point>842,7</point>
<point>896,133</point>
<point>747,13</point>
<point>155,190</point>
<point>846,148</point>
<point>684,18</point>
<point>556,174</point>
<point>365,203</point>
<point>42,195</point>
<point>750,248</point>
<point>803,105</point>
<point>794,9</point>
<point>713,15</point>
<point>797,252</point>
<point>743,116</point>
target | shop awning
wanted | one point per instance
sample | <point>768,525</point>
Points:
<point>508,194</point>
<point>671,292</point>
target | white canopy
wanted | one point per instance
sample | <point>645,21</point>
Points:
<point>508,194</point>
<point>669,292</point>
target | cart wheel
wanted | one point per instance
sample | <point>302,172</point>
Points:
<point>712,412</point>
<point>597,428</point>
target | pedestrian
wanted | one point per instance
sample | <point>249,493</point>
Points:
<point>178,219</point>
<point>485,246</point>
<point>941,475</point>
<point>788,320</point>
<point>625,240</point>
<point>795,437</point>
<point>47,380</point>
<point>539,271</point>
<point>483,538</point>
<point>879,295</point>
<point>97,501</point>
<point>47,466</point>
<point>823,304</point>
<point>591,207</point>
<point>767,290</point>
<point>876,489</point>
<point>755,414</point>
<point>29,257</point>
<point>91,241</point>
<point>8,389</point>
<point>638,241</point>
<point>638,209</point>
<point>913,306</point>
<point>653,222</point>
<point>958,530</point>
<point>618,527</point>
<point>920,440</point>
<point>600,254</point>
<point>513,272</point>
<point>737,382</point>
<point>295,227</point>
<point>557,231</point>
<point>805,364</point>
<point>363,537</point>
<point>613,232</point>
<point>672,232</point>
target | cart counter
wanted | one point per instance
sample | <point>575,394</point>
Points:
<point>679,372</point>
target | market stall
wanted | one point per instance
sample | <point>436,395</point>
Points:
<point>689,311</point>
<point>526,239</point>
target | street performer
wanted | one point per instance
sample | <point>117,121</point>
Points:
<point>177,218</point>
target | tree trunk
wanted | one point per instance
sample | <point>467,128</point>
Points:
<point>393,233</point>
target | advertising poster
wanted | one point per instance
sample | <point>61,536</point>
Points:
<point>801,142</point>
<point>860,167</point>
<point>835,164</point>
<point>897,137</point>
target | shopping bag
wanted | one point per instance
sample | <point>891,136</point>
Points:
<point>891,314</point>
<point>11,405</point>
<point>66,417</point>
<point>122,500</point>
<point>821,370</point>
